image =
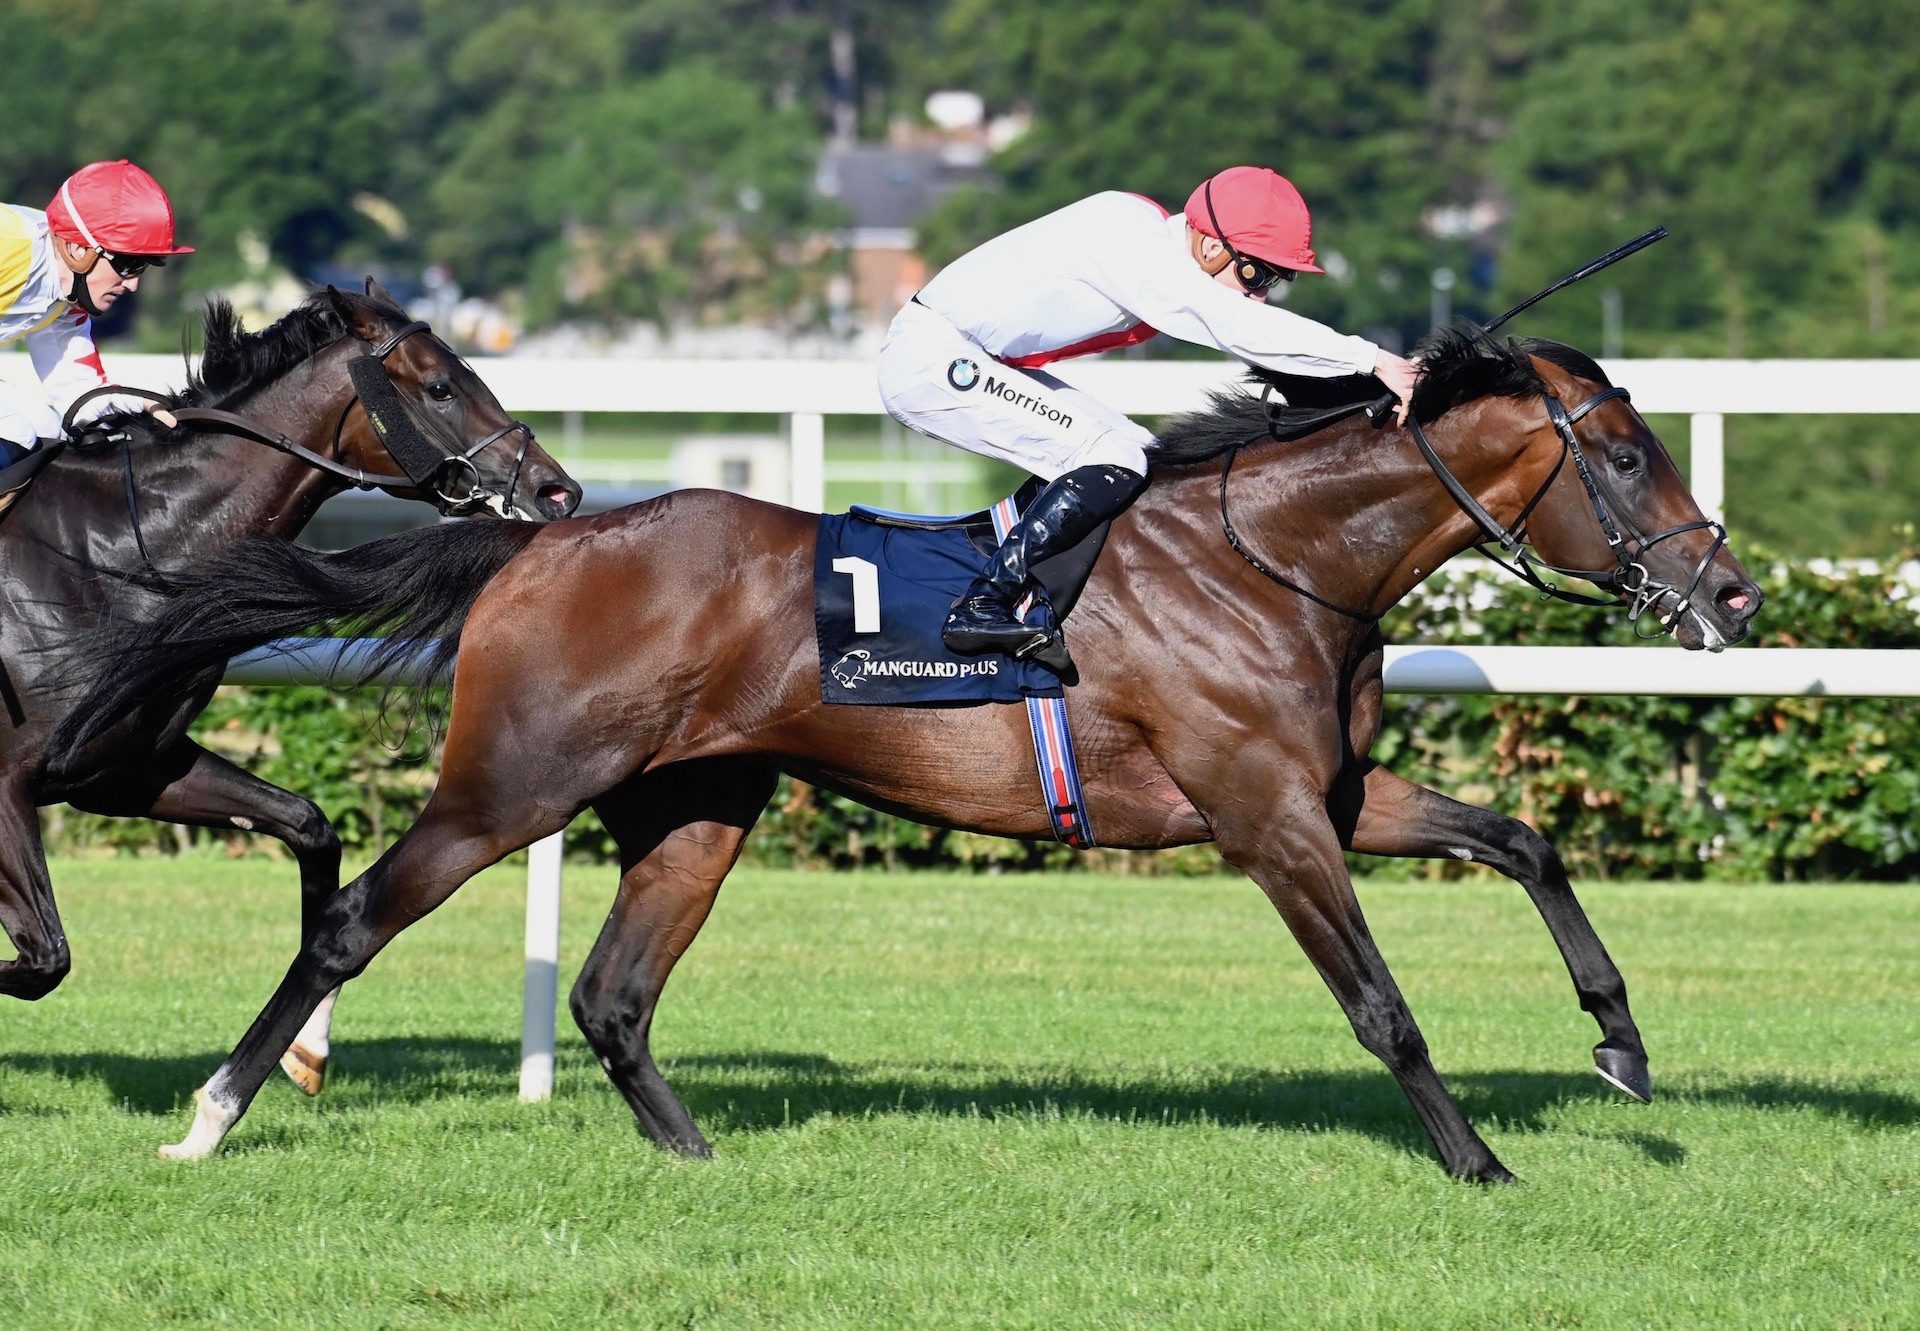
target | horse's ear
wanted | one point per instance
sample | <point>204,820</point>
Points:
<point>339,304</point>
<point>379,292</point>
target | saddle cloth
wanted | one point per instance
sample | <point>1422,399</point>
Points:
<point>882,585</point>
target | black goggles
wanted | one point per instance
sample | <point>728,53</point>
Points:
<point>1252,274</point>
<point>132,265</point>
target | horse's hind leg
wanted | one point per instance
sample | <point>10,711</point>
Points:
<point>680,830</point>
<point>188,784</point>
<point>1403,819</point>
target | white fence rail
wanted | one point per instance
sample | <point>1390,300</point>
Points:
<point>1667,671</point>
<point>805,393</point>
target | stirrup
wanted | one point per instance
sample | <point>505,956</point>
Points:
<point>1015,640</point>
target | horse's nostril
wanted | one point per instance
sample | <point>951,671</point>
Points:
<point>558,497</point>
<point>1734,599</point>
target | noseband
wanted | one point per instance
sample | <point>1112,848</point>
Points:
<point>449,475</point>
<point>1629,578</point>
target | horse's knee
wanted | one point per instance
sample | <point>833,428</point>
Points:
<point>1386,1029</point>
<point>311,834</point>
<point>1510,847</point>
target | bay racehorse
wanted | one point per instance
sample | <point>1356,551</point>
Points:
<point>658,664</point>
<point>273,426</point>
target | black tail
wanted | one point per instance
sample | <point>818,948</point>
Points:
<point>414,589</point>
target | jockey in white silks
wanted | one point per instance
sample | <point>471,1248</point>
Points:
<point>59,269</point>
<point>961,362</point>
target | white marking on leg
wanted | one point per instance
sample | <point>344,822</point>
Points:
<point>244,824</point>
<point>1460,852</point>
<point>211,1121</point>
<point>313,1036</point>
<point>305,1061</point>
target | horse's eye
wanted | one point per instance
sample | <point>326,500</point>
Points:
<point>440,391</point>
<point>1626,462</point>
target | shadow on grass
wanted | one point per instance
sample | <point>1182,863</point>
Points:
<point>403,1070</point>
<point>765,1091</point>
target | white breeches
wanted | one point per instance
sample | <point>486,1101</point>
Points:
<point>935,379</point>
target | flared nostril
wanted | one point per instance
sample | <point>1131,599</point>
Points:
<point>1738,599</point>
<point>558,499</point>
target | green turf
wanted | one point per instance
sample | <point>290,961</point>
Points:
<point>979,1102</point>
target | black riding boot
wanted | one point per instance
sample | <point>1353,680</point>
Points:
<point>1060,517</point>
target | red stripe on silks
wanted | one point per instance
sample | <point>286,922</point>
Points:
<point>1125,337</point>
<point>92,361</point>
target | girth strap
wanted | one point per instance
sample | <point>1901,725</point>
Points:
<point>1052,739</point>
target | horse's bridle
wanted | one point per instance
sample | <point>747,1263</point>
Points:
<point>1629,578</point>
<point>434,471</point>
<point>427,468</point>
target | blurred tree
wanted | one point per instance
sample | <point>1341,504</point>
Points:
<point>1144,98</point>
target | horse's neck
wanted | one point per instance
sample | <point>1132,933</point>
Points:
<point>1355,516</point>
<point>212,489</point>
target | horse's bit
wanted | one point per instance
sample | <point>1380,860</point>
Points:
<point>1629,578</point>
<point>450,477</point>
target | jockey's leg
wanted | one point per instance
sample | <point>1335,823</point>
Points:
<point>936,380</point>
<point>986,617</point>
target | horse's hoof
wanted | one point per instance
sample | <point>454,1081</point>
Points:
<point>210,1125</point>
<point>305,1069</point>
<point>1488,1171</point>
<point>1625,1071</point>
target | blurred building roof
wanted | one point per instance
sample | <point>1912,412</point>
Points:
<point>887,187</point>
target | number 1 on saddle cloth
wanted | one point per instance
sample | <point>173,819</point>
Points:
<point>883,583</point>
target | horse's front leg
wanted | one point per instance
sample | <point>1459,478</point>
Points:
<point>1288,846</point>
<point>188,784</point>
<point>1400,818</point>
<point>27,910</point>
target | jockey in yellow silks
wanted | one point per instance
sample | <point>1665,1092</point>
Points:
<point>59,268</point>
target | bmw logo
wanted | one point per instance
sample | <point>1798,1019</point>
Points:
<point>963,374</point>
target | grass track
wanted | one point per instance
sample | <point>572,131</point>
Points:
<point>980,1102</point>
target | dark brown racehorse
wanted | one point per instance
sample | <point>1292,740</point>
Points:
<point>107,522</point>
<point>658,665</point>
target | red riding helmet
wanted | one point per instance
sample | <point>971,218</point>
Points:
<point>1261,213</point>
<point>116,207</point>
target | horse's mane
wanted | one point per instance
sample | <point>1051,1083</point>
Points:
<point>1460,364</point>
<point>235,363</point>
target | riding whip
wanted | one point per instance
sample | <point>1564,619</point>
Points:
<point>1381,411</point>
